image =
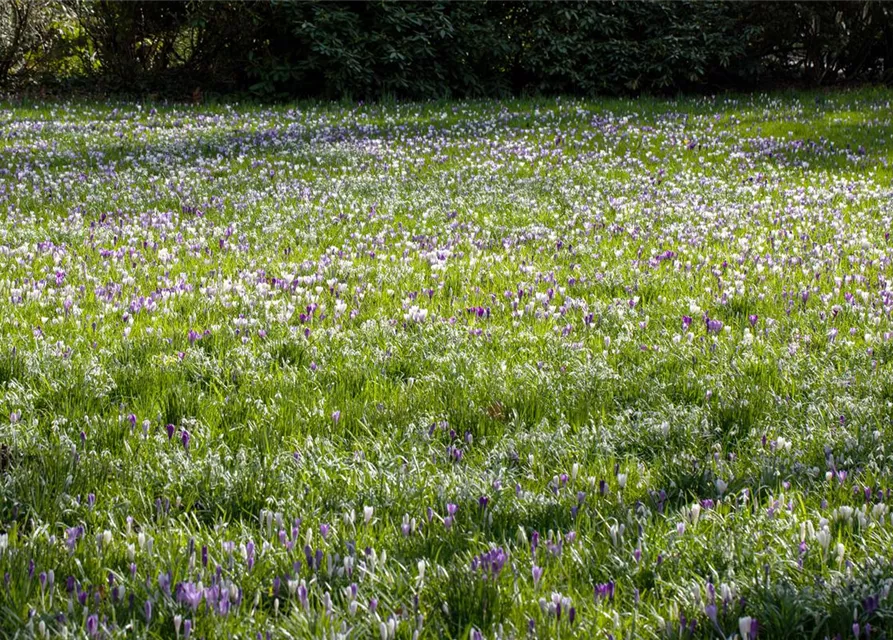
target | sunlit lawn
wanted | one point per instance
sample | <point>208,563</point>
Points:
<point>534,368</point>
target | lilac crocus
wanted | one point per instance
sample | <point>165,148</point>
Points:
<point>164,582</point>
<point>72,536</point>
<point>190,594</point>
<point>537,575</point>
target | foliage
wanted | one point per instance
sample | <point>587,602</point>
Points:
<point>606,48</point>
<point>28,29</point>
<point>409,49</point>
<point>424,50</point>
<point>823,42</point>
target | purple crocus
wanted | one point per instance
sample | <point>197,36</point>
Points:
<point>604,591</point>
<point>92,625</point>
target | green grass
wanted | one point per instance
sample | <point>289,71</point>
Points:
<point>479,304</point>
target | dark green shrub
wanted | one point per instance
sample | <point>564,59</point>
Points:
<point>423,50</point>
<point>822,42</point>
<point>362,50</point>
<point>595,47</point>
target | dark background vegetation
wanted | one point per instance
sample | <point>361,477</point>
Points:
<point>273,49</point>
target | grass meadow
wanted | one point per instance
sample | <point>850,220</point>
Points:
<point>534,368</point>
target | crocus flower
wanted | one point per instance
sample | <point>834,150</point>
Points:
<point>537,575</point>
<point>92,625</point>
<point>745,625</point>
<point>191,594</point>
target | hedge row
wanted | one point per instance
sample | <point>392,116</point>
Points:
<point>278,49</point>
